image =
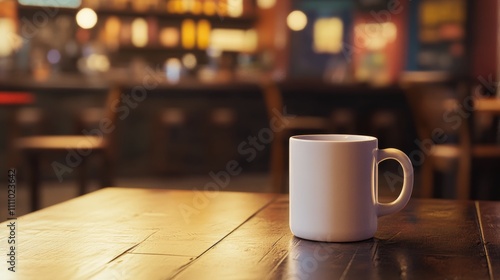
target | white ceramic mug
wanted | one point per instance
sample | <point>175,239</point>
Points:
<point>333,186</point>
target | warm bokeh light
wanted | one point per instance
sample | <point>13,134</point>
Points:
<point>193,6</point>
<point>186,5</point>
<point>327,35</point>
<point>112,29</point>
<point>221,7</point>
<point>235,8</point>
<point>197,7</point>
<point>189,61</point>
<point>188,34</point>
<point>209,7</point>
<point>142,6</point>
<point>8,30</point>
<point>442,20</point>
<point>296,20</point>
<point>213,52</point>
<point>139,32</point>
<point>172,6</point>
<point>98,62</point>
<point>375,36</point>
<point>169,37</point>
<point>266,4</point>
<point>234,40</point>
<point>86,18</point>
<point>120,4</point>
<point>433,13</point>
<point>203,34</point>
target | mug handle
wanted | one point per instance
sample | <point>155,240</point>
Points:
<point>403,198</point>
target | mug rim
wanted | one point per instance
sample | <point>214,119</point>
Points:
<point>333,138</point>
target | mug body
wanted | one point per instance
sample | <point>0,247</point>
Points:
<point>332,187</point>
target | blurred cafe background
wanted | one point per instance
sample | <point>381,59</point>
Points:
<point>181,93</point>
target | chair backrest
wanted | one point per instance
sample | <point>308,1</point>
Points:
<point>113,101</point>
<point>439,106</point>
<point>272,97</point>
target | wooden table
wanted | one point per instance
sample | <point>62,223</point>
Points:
<point>118,233</point>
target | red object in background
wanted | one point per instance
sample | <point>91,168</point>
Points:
<point>16,98</point>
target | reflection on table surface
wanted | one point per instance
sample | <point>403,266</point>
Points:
<point>199,234</point>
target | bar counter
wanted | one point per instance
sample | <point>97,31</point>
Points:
<point>64,98</point>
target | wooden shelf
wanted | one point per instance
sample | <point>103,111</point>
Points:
<point>245,21</point>
<point>160,49</point>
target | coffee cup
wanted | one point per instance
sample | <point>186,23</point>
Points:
<point>333,186</point>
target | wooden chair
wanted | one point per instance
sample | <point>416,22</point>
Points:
<point>288,124</point>
<point>441,109</point>
<point>25,121</point>
<point>165,124</point>
<point>220,135</point>
<point>75,148</point>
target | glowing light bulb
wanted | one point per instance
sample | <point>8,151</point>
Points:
<point>235,8</point>
<point>203,34</point>
<point>296,20</point>
<point>266,4</point>
<point>169,37</point>
<point>189,61</point>
<point>188,33</point>
<point>86,18</point>
<point>139,32</point>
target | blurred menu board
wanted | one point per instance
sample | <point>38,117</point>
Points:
<point>441,35</point>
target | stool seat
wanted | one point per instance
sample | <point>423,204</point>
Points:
<point>33,147</point>
<point>306,123</point>
<point>60,142</point>
<point>274,103</point>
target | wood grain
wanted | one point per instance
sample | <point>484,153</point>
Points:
<point>86,236</point>
<point>252,251</point>
<point>489,213</point>
<point>428,239</point>
<point>120,233</point>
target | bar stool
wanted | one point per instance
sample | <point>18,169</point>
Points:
<point>439,105</point>
<point>77,147</point>
<point>384,125</point>
<point>167,128</point>
<point>27,121</point>
<point>221,139</point>
<point>274,106</point>
<point>343,120</point>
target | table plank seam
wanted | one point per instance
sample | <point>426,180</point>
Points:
<point>184,267</point>
<point>483,242</point>
<point>129,249</point>
<point>272,246</point>
<point>278,264</point>
<point>344,273</point>
<point>161,254</point>
<point>374,254</point>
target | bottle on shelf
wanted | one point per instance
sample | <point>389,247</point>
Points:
<point>188,34</point>
<point>203,34</point>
